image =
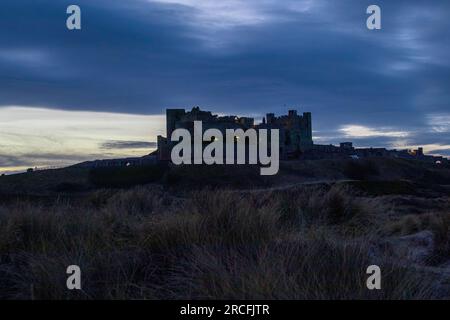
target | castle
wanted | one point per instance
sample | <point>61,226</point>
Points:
<point>295,130</point>
<point>295,134</point>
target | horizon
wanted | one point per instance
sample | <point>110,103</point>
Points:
<point>126,148</point>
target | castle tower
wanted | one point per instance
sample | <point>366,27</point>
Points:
<point>270,118</point>
<point>172,117</point>
<point>306,133</point>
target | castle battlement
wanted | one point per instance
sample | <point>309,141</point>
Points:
<point>295,130</point>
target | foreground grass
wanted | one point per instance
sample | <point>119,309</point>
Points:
<point>141,243</point>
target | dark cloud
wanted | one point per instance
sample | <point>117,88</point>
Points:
<point>142,56</point>
<point>443,152</point>
<point>46,159</point>
<point>115,144</point>
<point>52,156</point>
<point>11,161</point>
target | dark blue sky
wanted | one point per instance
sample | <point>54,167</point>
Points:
<point>386,87</point>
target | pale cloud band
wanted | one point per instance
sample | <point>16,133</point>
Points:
<point>34,137</point>
<point>358,131</point>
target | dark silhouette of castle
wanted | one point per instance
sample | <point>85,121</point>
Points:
<point>295,130</point>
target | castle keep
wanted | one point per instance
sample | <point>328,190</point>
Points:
<point>295,130</point>
<point>295,139</point>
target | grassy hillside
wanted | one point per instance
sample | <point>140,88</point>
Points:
<point>46,181</point>
<point>228,233</point>
<point>78,180</point>
<point>301,243</point>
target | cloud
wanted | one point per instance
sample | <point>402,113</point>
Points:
<point>443,152</point>
<point>144,56</point>
<point>27,57</point>
<point>43,159</point>
<point>235,13</point>
<point>7,160</point>
<point>20,162</point>
<point>39,137</point>
<point>356,131</point>
<point>117,144</point>
<point>439,123</point>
